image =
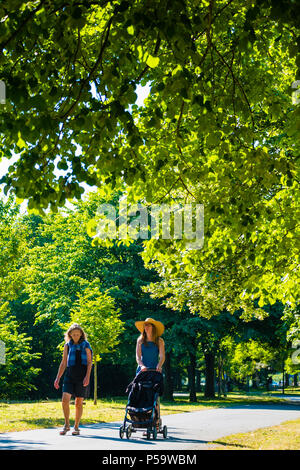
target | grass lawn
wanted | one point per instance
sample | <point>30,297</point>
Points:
<point>285,436</point>
<point>20,416</point>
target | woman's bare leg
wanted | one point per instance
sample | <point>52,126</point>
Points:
<point>66,408</point>
<point>78,411</point>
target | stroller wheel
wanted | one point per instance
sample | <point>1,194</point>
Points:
<point>128,431</point>
<point>165,431</point>
<point>121,432</point>
<point>148,434</point>
<point>154,432</point>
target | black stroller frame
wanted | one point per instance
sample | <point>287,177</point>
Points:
<point>142,418</point>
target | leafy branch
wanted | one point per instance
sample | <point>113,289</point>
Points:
<point>94,68</point>
<point>235,80</point>
<point>156,49</point>
<point>19,29</point>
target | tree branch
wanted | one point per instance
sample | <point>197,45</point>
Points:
<point>235,80</point>
<point>87,79</point>
<point>173,184</point>
<point>221,9</point>
<point>180,117</point>
<point>185,186</point>
<point>147,67</point>
<point>15,34</point>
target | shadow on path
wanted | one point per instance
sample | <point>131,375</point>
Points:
<point>9,444</point>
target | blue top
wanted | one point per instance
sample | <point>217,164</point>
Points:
<point>149,356</point>
<point>77,347</point>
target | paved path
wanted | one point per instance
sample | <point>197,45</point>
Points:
<point>186,431</point>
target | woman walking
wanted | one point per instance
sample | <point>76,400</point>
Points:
<point>77,361</point>
<point>150,350</point>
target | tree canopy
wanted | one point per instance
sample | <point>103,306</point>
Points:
<point>219,127</point>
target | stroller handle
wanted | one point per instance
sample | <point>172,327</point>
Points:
<point>149,370</point>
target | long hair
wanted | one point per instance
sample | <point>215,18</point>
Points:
<point>73,327</point>
<point>143,336</point>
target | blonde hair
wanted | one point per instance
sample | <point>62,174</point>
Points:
<point>73,327</point>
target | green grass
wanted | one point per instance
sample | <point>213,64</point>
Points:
<point>285,436</point>
<point>288,391</point>
<point>20,416</point>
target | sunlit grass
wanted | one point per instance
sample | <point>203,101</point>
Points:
<point>22,416</point>
<point>45,414</point>
<point>285,436</point>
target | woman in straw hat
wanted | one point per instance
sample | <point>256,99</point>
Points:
<point>150,347</point>
<point>150,351</point>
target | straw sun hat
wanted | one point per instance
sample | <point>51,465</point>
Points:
<point>158,325</point>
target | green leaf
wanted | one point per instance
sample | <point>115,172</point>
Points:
<point>130,30</point>
<point>152,61</point>
<point>20,143</point>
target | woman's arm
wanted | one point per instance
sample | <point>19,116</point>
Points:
<point>161,354</point>
<point>62,367</point>
<point>86,379</point>
<point>139,354</point>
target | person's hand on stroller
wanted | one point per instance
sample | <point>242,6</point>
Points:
<point>159,368</point>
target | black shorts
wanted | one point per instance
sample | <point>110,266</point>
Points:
<point>76,389</point>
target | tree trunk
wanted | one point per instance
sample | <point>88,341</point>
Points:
<point>287,380</point>
<point>177,383</point>
<point>255,379</point>
<point>198,381</point>
<point>219,376</point>
<point>192,373</point>
<point>168,385</point>
<point>95,381</point>
<point>209,375</point>
<point>295,380</point>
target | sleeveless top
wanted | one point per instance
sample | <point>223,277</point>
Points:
<point>149,356</point>
<point>76,372</point>
<point>77,361</point>
<point>73,348</point>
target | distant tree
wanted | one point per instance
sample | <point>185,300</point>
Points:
<point>249,358</point>
<point>96,312</point>
<point>291,318</point>
<point>17,374</point>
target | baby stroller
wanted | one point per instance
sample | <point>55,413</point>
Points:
<point>143,393</point>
